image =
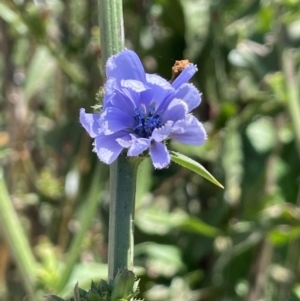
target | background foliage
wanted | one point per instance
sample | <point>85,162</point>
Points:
<point>194,241</point>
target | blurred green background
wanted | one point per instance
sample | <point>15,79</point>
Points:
<point>194,241</point>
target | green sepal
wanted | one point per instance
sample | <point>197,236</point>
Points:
<point>100,95</point>
<point>97,108</point>
<point>94,297</point>
<point>123,288</point>
<point>104,288</point>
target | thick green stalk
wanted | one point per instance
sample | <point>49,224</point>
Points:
<point>122,172</point>
<point>122,204</point>
<point>14,234</point>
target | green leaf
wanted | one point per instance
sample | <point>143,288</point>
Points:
<point>156,221</point>
<point>196,225</point>
<point>52,298</point>
<point>165,260</point>
<point>94,297</point>
<point>40,71</point>
<point>76,293</point>
<point>193,166</point>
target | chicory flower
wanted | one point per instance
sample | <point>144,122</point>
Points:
<point>141,111</point>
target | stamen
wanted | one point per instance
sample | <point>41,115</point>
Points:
<point>146,123</point>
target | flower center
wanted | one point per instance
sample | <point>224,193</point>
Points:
<point>146,123</point>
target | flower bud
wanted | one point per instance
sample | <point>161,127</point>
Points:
<point>123,285</point>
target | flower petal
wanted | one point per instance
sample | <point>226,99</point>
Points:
<point>110,87</point>
<point>138,146</point>
<point>133,84</point>
<point>161,88</point>
<point>125,65</point>
<point>189,94</point>
<point>163,132</point>
<point>115,120</point>
<point>107,148</point>
<point>125,141</point>
<point>176,110</point>
<point>185,76</point>
<point>91,122</point>
<point>123,102</point>
<point>139,93</point>
<point>159,155</point>
<point>189,131</point>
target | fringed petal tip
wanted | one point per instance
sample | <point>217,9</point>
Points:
<point>185,75</point>
<point>190,95</point>
<point>91,122</point>
<point>189,131</point>
<point>107,148</point>
<point>159,155</point>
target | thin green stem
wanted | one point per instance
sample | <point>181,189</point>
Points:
<point>122,172</point>
<point>17,241</point>
<point>111,28</point>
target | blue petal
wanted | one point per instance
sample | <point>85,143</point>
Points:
<point>123,102</point>
<point>189,94</point>
<point>189,131</point>
<point>115,120</point>
<point>162,133</point>
<point>125,141</point>
<point>176,110</point>
<point>159,155</point>
<point>139,93</point>
<point>110,87</point>
<point>134,85</point>
<point>107,148</point>
<point>184,76</point>
<point>161,88</point>
<point>125,65</point>
<point>138,146</point>
<point>91,123</point>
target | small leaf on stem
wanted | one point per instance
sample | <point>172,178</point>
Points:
<point>194,166</point>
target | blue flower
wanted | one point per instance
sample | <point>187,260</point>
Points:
<point>141,111</point>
